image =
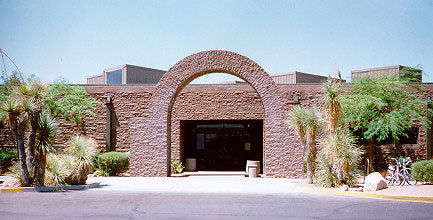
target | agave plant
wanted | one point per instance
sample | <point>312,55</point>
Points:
<point>84,150</point>
<point>307,122</point>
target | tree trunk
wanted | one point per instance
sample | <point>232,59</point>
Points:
<point>311,158</point>
<point>22,158</point>
<point>31,160</point>
<point>371,155</point>
<point>40,168</point>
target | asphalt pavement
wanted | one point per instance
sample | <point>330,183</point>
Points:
<point>201,197</point>
<point>93,204</point>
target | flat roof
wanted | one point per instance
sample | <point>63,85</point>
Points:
<point>381,68</point>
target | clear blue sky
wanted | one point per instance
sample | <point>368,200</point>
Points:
<point>75,39</point>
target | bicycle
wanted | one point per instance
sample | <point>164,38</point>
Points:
<point>393,174</point>
<point>406,171</point>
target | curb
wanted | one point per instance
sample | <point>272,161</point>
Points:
<point>49,188</point>
<point>423,199</point>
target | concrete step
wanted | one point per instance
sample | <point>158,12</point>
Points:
<point>215,173</point>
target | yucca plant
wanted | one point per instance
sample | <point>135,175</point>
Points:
<point>58,169</point>
<point>307,122</point>
<point>297,122</point>
<point>14,110</point>
<point>342,153</point>
<point>84,150</point>
<point>33,93</point>
<point>47,130</point>
<point>324,176</point>
<point>330,96</point>
<point>339,154</point>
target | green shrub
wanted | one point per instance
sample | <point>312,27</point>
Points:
<point>6,159</point>
<point>423,170</point>
<point>176,167</point>
<point>113,163</point>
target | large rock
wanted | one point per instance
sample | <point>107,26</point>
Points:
<point>374,181</point>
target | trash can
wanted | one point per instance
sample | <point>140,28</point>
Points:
<point>252,171</point>
<point>190,164</point>
<point>253,162</point>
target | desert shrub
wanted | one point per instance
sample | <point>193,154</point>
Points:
<point>6,159</point>
<point>176,167</point>
<point>16,172</point>
<point>113,163</point>
<point>72,167</point>
<point>84,150</point>
<point>343,154</point>
<point>324,176</point>
<point>423,170</point>
<point>58,169</point>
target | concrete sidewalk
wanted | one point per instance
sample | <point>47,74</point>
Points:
<point>196,184</point>
<point>243,185</point>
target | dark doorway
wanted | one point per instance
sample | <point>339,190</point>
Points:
<point>223,145</point>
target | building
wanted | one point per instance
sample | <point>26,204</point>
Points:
<point>388,71</point>
<point>298,77</point>
<point>130,74</point>
<point>127,74</point>
<point>219,125</point>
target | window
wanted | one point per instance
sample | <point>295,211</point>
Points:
<point>412,137</point>
<point>200,141</point>
<point>114,77</point>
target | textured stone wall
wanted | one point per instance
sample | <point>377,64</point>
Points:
<point>203,102</point>
<point>213,102</point>
<point>154,132</point>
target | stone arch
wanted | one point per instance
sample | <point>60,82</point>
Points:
<point>150,143</point>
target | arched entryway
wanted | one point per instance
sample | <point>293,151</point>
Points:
<point>150,143</point>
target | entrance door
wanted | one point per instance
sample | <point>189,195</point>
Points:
<point>223,145</point>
